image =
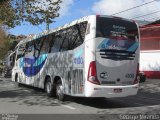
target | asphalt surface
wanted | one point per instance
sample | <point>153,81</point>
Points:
<point>28,100</point>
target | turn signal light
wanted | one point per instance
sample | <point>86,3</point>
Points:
<point>92,73</point>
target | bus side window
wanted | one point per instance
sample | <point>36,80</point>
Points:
<point>12,60</point>
<point>57,42</point>
<point>69,38</point>
<point>21,51</point>
<point>37,47</point>
<point>51,41</point>
<point>72,35</point>
<point>64,43</point>
<point>78,35</point>
<point>41,46</point>
<point>44,48</point>
<point>29,49</point>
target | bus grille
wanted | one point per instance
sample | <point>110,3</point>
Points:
<point>116,54</point>
<point>77,81</point>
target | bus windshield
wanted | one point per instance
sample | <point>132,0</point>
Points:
<point>120,34</point>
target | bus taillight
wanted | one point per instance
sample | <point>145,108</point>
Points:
<point>137,75</point>
<point>92,73</point>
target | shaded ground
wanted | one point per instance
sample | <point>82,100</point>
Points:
<point>14,99</point>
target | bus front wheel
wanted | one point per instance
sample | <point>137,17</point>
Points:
<point>59,91</point>
<point>16,77</point>
<point>17,80</point>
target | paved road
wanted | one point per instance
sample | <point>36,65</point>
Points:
<point>26,100</point>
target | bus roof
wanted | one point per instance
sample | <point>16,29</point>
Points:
<point>34,37</point>
<point>44,33</point>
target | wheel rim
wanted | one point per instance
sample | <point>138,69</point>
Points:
<point>48,87</point>
<point>59,92</point>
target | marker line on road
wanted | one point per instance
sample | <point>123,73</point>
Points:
<point>67,106</point>
<point>139,104</point>
<point>26,90</point>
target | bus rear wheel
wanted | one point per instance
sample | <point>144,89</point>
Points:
<point>49,87</point>
<point>59,91</point>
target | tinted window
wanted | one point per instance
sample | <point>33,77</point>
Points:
<point>12,59</point>
<point>29,50</point>
<point>69,38</point>
<point>37,47</point>
<point>41,45</point>
<point>116,29</point>
<point>119,34</point>
<point>56,42</point>
<point>44,46</point>
<point>21,51</point>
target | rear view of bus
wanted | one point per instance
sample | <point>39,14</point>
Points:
<point>111,57</point>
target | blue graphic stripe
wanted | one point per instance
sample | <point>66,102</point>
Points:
<point>103,44</point>
<point>134,47</point>
<point>21,63</point>
<point>32,65</point>
<point>78,53</point>
<point>40,60</point>
<point>119,45</point>
<point>31,71</point>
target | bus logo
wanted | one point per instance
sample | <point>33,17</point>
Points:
<point>104,75</point>
<point>78,59</point>
<point>129,75</point>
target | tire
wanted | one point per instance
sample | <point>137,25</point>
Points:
<point>49,87</point>
<point>5,76</point>
<point>16,78</point>
<point>59,91</point>
<point>142,78</point>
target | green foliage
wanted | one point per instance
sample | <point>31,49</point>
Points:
<point>7,14</point>
<point>12,44</point>
<point>4,44</point>
<point>14,12</point>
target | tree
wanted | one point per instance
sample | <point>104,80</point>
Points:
<point>14,12</point>
<point>7,14</point>
<point>4,44</point>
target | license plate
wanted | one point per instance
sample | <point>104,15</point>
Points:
<point>117,90</point>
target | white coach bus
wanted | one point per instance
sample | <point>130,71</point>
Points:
<point>95,56</point>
